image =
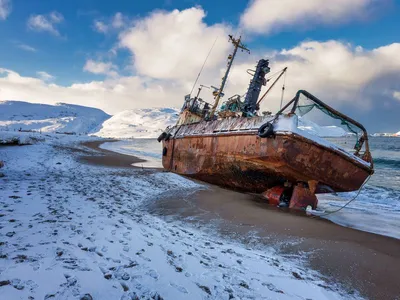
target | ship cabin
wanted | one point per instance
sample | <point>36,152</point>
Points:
<point>193,110</point>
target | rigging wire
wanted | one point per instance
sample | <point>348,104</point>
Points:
<point>274,74</point>
<point>351,200</point>
<point>204,63</point>
<point>283,89</point>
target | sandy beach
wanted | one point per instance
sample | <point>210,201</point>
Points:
<point>358,260</point>
<point>108,158</point>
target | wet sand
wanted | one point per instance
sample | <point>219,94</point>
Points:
<point>108,158</point>
<point>358,260</point>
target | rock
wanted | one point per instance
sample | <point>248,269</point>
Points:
<point>10,234</point>
<point>107,276</point>
<point>156,296</point>
<point>205,288</point>
<point>125,287</point>
<point>5,282</point>
<point>296,275</point>
<point>86,297</point>
<point>125,276</point>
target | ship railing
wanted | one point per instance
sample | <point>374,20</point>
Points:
<point>362,140</point>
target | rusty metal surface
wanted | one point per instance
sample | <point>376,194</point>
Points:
<point>243,161</point>
<point>303,197</point>
<point>273,195</point>
<point>232,125</point>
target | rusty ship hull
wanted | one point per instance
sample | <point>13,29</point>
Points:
<point>229,153</point>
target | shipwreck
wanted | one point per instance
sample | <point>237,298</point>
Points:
<point>238,148</point>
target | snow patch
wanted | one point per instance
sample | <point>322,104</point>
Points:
<point>19,138</point>
<point>321,131</point>
<point>139,123</point>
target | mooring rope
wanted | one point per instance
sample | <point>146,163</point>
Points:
<point>351,200</point>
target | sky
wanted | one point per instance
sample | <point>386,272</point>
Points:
<point>124,54</point>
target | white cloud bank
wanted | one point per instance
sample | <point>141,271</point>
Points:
<point>46,23</point>
<point>168,49</point>
<point>5,9</point>
<point>263,16</point>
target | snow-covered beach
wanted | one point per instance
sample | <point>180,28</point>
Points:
<point>82,215</point>
<point>70,229</point>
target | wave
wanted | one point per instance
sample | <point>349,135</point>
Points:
<point>387,162</point>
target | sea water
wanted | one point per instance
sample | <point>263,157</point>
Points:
<point>376,209</point>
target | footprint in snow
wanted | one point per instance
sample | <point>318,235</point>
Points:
<point>179,288</point>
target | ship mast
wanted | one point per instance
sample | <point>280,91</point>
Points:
<point>237,44</point>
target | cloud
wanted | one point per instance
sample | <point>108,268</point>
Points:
<point>396,95</point>
<point>112,95</point>
<point>98,67</point>
<point>46,22</point>
<point>5,9</point>
<point>173,45</point>
<point>364,83</point>
<point>100,27</point>
<point>344,76</point>
<point>26,48</point>
<point>116,22</point>
<point>263,16</point>
<point>45,76</point>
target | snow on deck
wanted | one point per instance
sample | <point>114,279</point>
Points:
<point>69,229</point>
<point>289,125</point>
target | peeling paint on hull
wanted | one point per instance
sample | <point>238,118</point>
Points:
<point>243,161</point>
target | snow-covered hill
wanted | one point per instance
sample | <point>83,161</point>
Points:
<point>139,123</point>
<point>16,115</point>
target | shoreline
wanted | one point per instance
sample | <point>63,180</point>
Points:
<point>356,259</point>
<point>108,158</point>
